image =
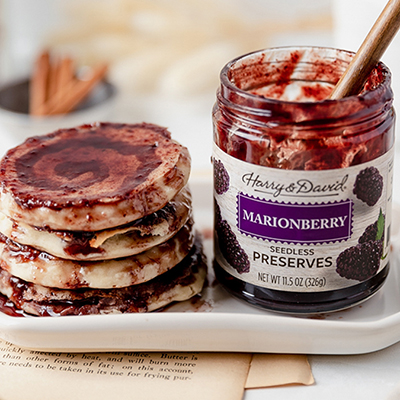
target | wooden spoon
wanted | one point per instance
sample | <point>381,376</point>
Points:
<point>370,52</point>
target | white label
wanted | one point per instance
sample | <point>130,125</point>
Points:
<point>302,231</point>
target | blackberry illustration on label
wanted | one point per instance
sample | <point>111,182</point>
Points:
<point>221,177</point>
<point>362,261</point>
<point>368,185</point>
<point>302,186</point>
<point>230,247</point>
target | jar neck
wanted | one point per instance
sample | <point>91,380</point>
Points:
<point>310,74</point>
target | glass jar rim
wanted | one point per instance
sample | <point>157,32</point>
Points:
<point>369,100</point>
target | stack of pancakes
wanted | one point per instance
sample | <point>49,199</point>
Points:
<point>98,219</point>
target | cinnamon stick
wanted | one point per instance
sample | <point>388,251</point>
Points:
<point>54,88</point>
<point>66,74</point>
<point>52,82</point>
<point>75,91</point>
<point>38,85</point>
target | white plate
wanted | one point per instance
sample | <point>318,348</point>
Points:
<point>219,322</point>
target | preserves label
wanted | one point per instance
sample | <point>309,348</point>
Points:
<point>303,231</point>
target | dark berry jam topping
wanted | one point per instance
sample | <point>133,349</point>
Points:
<point>80,165</point>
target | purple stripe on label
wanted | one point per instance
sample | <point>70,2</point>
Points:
<point>296,223</point>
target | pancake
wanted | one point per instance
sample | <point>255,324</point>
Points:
<point>39,267</point>
<point>98,219</point>
<point>92,177</point>
<point>123,241</point>
<point>179,284</point>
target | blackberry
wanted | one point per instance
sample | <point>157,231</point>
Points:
<point>360,262</point>
<point>230,248</point>
<point>374,231</point>
<point>221,177</point>
<point>217,215</point>
<point>368,185</point>
<point>369,233</point>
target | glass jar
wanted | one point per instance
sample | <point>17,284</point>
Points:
<point>302,184</point>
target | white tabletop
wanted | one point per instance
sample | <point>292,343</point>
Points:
<point>367,376</point>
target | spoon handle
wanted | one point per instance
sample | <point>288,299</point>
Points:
<point>370,52</point>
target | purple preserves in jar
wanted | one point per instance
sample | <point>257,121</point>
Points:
<point>302,184</point>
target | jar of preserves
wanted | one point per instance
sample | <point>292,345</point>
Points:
<point>302,184</point>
